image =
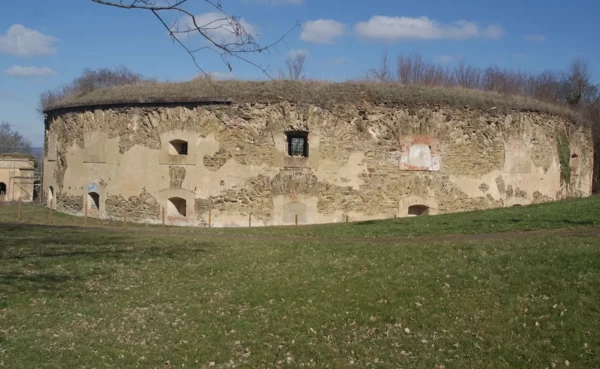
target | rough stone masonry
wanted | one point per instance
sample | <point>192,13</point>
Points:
<point>281,162</point>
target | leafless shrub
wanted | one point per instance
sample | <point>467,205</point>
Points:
<point>12,141</point>
<point>466,76</point>
<point>91,80</point>
<point>382,73</point>
<point>295,66</point>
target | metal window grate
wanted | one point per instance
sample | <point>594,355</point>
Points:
<point>183,149</point>
<point>297,142</point>
<point>297,146</point>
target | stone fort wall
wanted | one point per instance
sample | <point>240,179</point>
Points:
<point>361,162</point>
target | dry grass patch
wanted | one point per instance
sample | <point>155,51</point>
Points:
<point>306,92</point>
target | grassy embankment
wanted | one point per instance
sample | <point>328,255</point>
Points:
<point>346,295</point>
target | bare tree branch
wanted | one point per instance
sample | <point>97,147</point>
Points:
<point>239,40</point>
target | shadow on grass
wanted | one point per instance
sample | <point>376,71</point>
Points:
<point>366,222</point>
<point>41,260</point>
<point>21,282</point>
<point>32,241</point>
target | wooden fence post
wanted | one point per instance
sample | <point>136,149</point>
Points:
<point>209,217</point>
<point>85,214</point>
<point>125,217</point>
<point>296,219</point>
<point>250,220</point>
<point>163,215</point>
<point>347,217</point>
<point>19,211</point>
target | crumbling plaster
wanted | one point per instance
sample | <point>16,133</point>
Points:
<point>237,164</point>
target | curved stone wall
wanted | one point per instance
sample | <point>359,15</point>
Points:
<point>280,163</point>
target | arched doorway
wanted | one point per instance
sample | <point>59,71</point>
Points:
<point>418,210</point>
<point>3,191</point>
<point>93,201</point>
<point>51,201</point>
<point>176,207</point>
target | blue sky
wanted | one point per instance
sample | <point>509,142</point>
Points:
<point>44,44</point>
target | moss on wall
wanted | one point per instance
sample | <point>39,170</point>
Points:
<point>564,156</point>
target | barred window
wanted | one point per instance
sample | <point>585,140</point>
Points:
<point>297,143</point>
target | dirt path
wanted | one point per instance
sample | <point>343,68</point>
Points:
<point>451,238</point>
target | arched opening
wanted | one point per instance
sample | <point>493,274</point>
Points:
<point>176,206</point>
<point>418,210</point>
<point>178,147</point>
<point>93,202</point>
<point>2,191</point>
<point>50,195</point>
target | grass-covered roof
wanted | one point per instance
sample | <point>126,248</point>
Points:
<point>304,92</point>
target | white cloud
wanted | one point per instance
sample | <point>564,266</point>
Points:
<point>391,29</point>
<point>216,26</point>
<point>535,38</point>
<point>494,31</point>
<point>24,42</point>
<point>322,31</point>
<point>294,53</point>
<point>21,71</point>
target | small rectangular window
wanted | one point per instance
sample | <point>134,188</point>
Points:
<point>178,147</point>
<point>297,143</point>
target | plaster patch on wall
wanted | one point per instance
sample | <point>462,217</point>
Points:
<point>347,175</point>
<point>50,146</point>
<point>517,156</point>
<point>95,147</point>
<point>292,210</point>
<point>420,153</point>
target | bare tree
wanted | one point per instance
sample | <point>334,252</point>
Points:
<point>466,76</point>
<point>577,86</point>
<point>409,69</point>
<point>224,34</point>
<point>295,66</point>
<point>89,81</point>
<point>12,141</point>
<point>382,73</point>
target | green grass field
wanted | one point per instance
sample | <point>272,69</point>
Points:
<point>507,288</point>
